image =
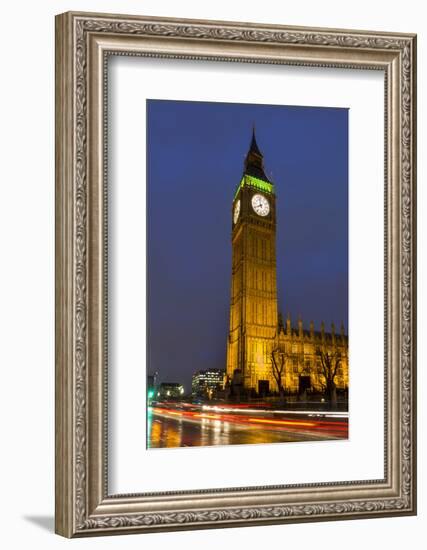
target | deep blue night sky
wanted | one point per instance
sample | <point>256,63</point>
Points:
<point>195,160</point>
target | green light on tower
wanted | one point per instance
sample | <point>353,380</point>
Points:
<point>252,181</point>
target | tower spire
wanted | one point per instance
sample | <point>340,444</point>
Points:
<point>254,161</point>
<point>253,169</point>
<point>254,145</point>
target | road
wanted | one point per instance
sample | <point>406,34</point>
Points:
<point>187,425</point>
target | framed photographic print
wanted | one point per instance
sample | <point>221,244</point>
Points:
<point>235,274</point>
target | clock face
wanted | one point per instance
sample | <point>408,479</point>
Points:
<point>260,205</point>
<point>236,211</point>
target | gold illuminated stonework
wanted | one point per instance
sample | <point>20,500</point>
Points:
<point>256,328</point>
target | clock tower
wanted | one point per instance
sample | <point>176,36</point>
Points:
<point>253,331</point>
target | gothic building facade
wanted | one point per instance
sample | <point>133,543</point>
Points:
<point>256,331</point>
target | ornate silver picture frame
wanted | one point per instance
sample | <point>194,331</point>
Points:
<point>84,505</point>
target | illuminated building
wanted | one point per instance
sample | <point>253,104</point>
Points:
<point>206,382</point>
<point>170,390</point>
<point>256,328</point>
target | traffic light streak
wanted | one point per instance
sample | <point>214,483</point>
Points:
<point>337,428</point>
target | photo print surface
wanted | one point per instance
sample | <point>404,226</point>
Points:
<point>247,274</point>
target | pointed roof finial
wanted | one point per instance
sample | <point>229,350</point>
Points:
<point>280,324</point>
<point>254,161</point>
<point>254,145</point>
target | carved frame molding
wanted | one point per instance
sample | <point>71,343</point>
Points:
<point>83,44</point>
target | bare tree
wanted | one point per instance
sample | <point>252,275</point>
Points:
<point>278,369</point>
<point>330,362</point>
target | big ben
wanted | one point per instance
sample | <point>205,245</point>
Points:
<point>253,329</point>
